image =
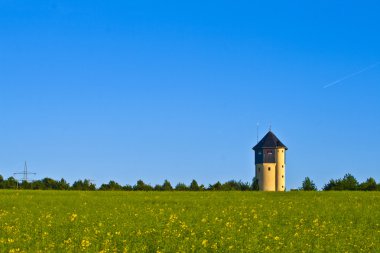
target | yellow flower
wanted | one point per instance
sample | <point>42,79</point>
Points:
<point>73,217</point>
<point>204,243</point>
<point>85,243</point>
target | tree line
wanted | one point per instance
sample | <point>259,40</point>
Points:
<point>347,183</point>
<point>88,185</point>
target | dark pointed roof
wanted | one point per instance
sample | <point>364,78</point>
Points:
<point>269,141</point>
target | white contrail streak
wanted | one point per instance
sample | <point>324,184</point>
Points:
<point>351,75</point>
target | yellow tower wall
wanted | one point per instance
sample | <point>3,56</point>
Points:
<point>267,177</point>
<point>280,169</point>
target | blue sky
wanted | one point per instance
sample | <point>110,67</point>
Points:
<point>156,90</point>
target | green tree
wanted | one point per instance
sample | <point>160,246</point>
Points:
<point>331,185</point>
<point>158,187</point>
<point>84,185</point>
<point>244,186</point>
<point>50,184</point>
<point>349,183</point>
<point>369,185</point>
<point>37,185</point>
<point>233,185</point>
<point>215,187</point>
<point>127,187</point>
<point>255,184</point>
<point>111,186</point>
<point>77,185</point>
<point>10,183</point>
<point>1,182</point>
<point>167,186</point>
<point>141,186</point>
<point>181,187</point>
<point>308,185</point>
<point>194,186</point>
<point>63,185</point>
<point>25,185</point>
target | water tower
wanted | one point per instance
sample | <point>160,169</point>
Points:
<point>270,163</point>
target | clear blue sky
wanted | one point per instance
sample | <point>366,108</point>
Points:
<point>156,90</point>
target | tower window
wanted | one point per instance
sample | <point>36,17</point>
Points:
<point>282,176</point>
<point>282,151</point>
<point>282,166</point>
<point>268,168</point>
<point>282,187</point>
<point>259,169</point>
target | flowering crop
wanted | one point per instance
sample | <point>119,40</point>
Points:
<point>70,221</point>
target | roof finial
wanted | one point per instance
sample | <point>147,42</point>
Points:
<point>270,126</point>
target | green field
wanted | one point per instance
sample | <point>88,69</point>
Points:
<point>61,221</point>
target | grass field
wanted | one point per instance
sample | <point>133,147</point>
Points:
<point>61,221</point>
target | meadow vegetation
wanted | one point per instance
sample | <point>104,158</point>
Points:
<point>208,221</point>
